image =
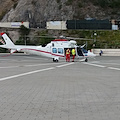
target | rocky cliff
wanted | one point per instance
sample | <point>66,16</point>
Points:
<point>40,11</point>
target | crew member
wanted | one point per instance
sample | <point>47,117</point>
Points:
<point>101,52</point>
<point>73,54</point>
<point>68,55</point>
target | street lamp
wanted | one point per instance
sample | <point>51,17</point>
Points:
<point>95,36</point>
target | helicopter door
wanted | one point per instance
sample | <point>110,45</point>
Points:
<point>60,51</point>
<point>79,51</point>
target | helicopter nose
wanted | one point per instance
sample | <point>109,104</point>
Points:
<point>91,54</point>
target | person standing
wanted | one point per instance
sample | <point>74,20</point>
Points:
<point>73,54</point>
<point>68,55</point>
<point>101,52</point>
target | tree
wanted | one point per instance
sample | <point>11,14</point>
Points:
<point>24,31</point>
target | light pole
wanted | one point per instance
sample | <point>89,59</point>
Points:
<point>95,36</point>
<point>94,39</point>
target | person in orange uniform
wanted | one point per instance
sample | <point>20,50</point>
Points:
<point>68,55</point>
<point>73,54</point>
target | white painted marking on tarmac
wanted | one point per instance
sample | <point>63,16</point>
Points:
<point>32,72</point>
<point>113,68</point>
<point>41,64</point>
<point>65,65</point>
<point>110,63</point>
<point>30,65</point>
<point>95,65</point>
<point>9,67</point>
<point>27,73</point>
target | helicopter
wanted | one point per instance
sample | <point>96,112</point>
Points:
<point>56,49</point>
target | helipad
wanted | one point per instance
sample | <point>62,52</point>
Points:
<point>35,88</point>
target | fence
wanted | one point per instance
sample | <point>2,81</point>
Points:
<point>89,24</point>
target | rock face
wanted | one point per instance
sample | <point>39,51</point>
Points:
<point>37,12</point>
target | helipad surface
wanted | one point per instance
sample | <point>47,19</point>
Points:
<point>35,88</point>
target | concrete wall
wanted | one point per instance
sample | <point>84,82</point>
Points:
<point>107,52</point>
<point>13,24</point>
<point>57,25</point>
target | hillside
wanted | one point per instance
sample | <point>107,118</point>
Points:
<point>39,11</point>
<point>5,6</point>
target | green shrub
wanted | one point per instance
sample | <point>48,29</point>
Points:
<point>24,31</point>
<point>107,3</point>
<point>69,2</point>
<point>58,1</point>
<point>14,6</point>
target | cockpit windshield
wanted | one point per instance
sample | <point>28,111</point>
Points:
<point>84,50</point>
<point>79,51</point>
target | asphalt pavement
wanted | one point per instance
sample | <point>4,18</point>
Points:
<point>35,88</point>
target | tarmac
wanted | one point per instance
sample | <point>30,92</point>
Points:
<point>35,88</point>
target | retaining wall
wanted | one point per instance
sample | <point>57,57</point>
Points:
<point>107,52</point>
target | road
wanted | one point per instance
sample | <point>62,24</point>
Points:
<point>35,88</point>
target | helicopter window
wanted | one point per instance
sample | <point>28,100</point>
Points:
<point>60,50</point>
<point>54,50</point>
<point>84,50</point>
<point>52,44</point>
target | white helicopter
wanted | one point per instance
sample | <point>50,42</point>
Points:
<point>56,49</point>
